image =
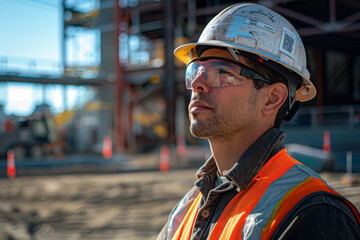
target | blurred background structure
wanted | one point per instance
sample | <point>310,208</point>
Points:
<point>112,79</point>
<point>92,86</point>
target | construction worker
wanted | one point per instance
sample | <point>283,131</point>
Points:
<point>247,73</point>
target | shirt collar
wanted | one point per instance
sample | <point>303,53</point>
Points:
<point>250,163</point>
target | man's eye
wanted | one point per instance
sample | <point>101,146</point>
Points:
<point>221,70</point>
<point>227,72</point>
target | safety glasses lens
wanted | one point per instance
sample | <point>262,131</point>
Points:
<point>215,74</point>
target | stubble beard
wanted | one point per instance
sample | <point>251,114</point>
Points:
<point>216,128</point>
<point>223,126</point>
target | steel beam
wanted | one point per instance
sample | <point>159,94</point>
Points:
<point>298,16</point>
<point>351,19</point>
<point>8,77</point>
<point>170,94</point>
<point>119,84</point>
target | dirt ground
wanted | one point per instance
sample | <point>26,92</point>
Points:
<point>129,206</point>
<point>112,206</point>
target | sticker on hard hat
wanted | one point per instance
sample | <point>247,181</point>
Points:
<point>287,44</point>
<point>304,91</point>
<point>259,24</point>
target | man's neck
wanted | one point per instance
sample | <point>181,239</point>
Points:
<point>227,152</point>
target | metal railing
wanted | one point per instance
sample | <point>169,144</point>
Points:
<point>25,65</point>
<point>347,116</point>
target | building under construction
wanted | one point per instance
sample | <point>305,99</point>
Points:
<point>136,95</point>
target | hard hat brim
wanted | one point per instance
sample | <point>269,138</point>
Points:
<point>184,53</point>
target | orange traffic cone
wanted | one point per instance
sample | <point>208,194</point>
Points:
<point>11,168</point>
<point>164,158</point>
<point>180,145</point>
<point>107,147</point>
<point>326,142</point>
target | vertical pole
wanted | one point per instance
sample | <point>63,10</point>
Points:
<point>63,43</point>
<point>314,117</point>
<point>191,26</point>
<point>351,117</point>
<point>170,93</point>
<point>65,100</point>
<point>320,82</point>
<point>44,97</point>
<point>349,165</point>
<point>351,90</point>
<point>332,11</point>
<point>131,139</point>
<point>119,131</point>
<point>3,93</point>
<point>180,125</point>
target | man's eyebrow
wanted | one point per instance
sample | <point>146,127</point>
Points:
<point>220,64</point>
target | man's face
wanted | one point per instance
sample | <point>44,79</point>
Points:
<point>220,112</point>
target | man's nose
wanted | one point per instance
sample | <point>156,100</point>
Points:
<point>199,84</point>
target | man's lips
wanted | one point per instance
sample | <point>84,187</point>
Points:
<point>198,106</point>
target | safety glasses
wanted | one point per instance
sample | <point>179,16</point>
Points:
<point>220,72</point>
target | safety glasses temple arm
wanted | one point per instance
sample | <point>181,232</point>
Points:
<point>245,71</point>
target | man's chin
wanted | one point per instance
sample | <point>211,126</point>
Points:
<point>199,131</point>
<point>200,136</point>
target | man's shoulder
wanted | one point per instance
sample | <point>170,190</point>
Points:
<point>323,216</point>
<point>328,203</point>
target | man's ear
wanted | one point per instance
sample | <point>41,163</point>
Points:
<point>277,95</point>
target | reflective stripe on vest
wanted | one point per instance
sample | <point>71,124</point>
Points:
<point>186,226</point>
<point>257,211</point>
<point>177,216</point>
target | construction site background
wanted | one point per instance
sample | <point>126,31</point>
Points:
<point>118,155</point>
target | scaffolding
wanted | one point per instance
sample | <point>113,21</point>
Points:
<point>131,60</point>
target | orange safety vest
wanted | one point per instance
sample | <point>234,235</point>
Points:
<point>257,211</point>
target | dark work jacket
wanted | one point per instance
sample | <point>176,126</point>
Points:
<point>318,217</point>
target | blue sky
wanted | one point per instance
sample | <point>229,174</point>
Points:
<point>30,30</point>
<point>30,43</point>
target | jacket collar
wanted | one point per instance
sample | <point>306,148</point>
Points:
<point>250,163</point>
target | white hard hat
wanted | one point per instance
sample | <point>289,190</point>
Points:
<point>255,29</point>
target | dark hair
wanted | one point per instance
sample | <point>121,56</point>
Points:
<point>273,76</point>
